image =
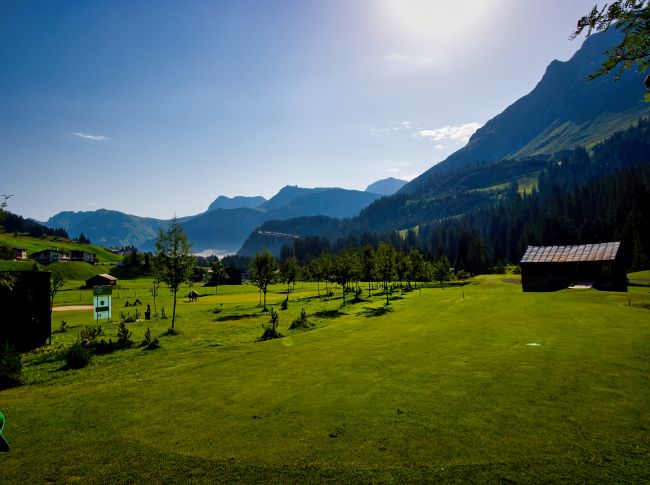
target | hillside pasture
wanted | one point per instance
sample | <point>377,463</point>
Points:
<point>33,245</point>
<point>474,383</point>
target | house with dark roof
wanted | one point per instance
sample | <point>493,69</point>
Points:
<point>101,280</point>
<point>550,268</point>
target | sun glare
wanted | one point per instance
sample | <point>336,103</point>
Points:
<point>427,21</point>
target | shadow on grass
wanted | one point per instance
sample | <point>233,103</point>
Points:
<point>369,312</point>
<point>329,314</point>
<point>236,316</point>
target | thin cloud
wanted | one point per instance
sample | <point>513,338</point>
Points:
<point>90,136</point>
<point>458,133</point>
<point>404,125</point>
<point>439,147</point>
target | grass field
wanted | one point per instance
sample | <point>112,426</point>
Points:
<point>469,384</point>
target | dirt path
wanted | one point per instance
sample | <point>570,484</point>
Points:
<point>71,307</point>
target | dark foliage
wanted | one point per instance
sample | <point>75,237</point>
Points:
<point>15,223</point>
<point>78,355</point>
<point>11,366</point>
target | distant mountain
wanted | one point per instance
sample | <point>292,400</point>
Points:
<point>219,229</point>
<point>225,230</point>
<point>285,196</point>
<point>107,227</point>
<point>237,202</point>
<point>386,186</point>
<point>331,202</point>
<point>562,111</point>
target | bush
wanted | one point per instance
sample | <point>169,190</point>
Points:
<point>162,314</point>
<point>285,304</point>
<point>271,332</point>
<point>78,356</point>
<point>123,335</point>
<point>11,366</point>
<point>89,334</point>
<point>150,343</point>
<point>64,326</point>
<point>301,321</point>
<point>128,318</point>
<point>103,347</point>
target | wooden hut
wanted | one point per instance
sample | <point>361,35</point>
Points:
<point>550,268</point>
<point>101,280</point>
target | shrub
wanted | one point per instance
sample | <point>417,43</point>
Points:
<point>11,366</point>
<point>149,343</point>
<point>128,318</point>
<point>516,270</point>
<point>78,356</point>
<point>162,314</point>
<point>301,321</point>
<point>103,347</point>
<point>285,304</point>
<point>64,326</point>
<point>271,332</point>
<point>89,334</point>
<point>123,335</point>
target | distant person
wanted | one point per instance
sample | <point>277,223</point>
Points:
<point>147,313</point>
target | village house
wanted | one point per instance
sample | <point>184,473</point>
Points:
<point>21,254</point>
<point>47,256</point>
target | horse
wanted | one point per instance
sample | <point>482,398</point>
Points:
<point>193,296</point>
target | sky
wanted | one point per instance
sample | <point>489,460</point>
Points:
<point>155,108</point>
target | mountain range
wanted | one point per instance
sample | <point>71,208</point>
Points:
<point>226,223</point>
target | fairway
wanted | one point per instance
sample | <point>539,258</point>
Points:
<point>466,384</point>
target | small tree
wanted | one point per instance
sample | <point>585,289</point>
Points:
<point>315,272</point>
<point>416,267</point>
<point>385,266</point>
<point>325,265</point>
<point>155,285</point>
<point>344,269</point>
<point>173,262</point>
<point>289,271</point>
<point>367,261</point>
<point>262,269</point>
<point>218,275</point>
<point>442,270</point>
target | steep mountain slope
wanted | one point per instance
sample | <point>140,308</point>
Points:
<point>107,227</point>
<point>237,202</point>
<point>562,111</point>
<point>387,186</point>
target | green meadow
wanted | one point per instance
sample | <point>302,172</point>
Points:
<point>475,383</point>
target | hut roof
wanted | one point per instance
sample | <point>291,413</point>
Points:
<point>104,276</point>
<point>571,254</point>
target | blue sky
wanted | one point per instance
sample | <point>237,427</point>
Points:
<point>156,108</point>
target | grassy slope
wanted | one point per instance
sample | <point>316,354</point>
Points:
<point>443,386</point>
<point>33,245</point>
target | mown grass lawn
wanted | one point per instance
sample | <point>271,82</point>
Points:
<point>469,384</point>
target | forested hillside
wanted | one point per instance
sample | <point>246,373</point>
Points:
<point>579,197</point>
